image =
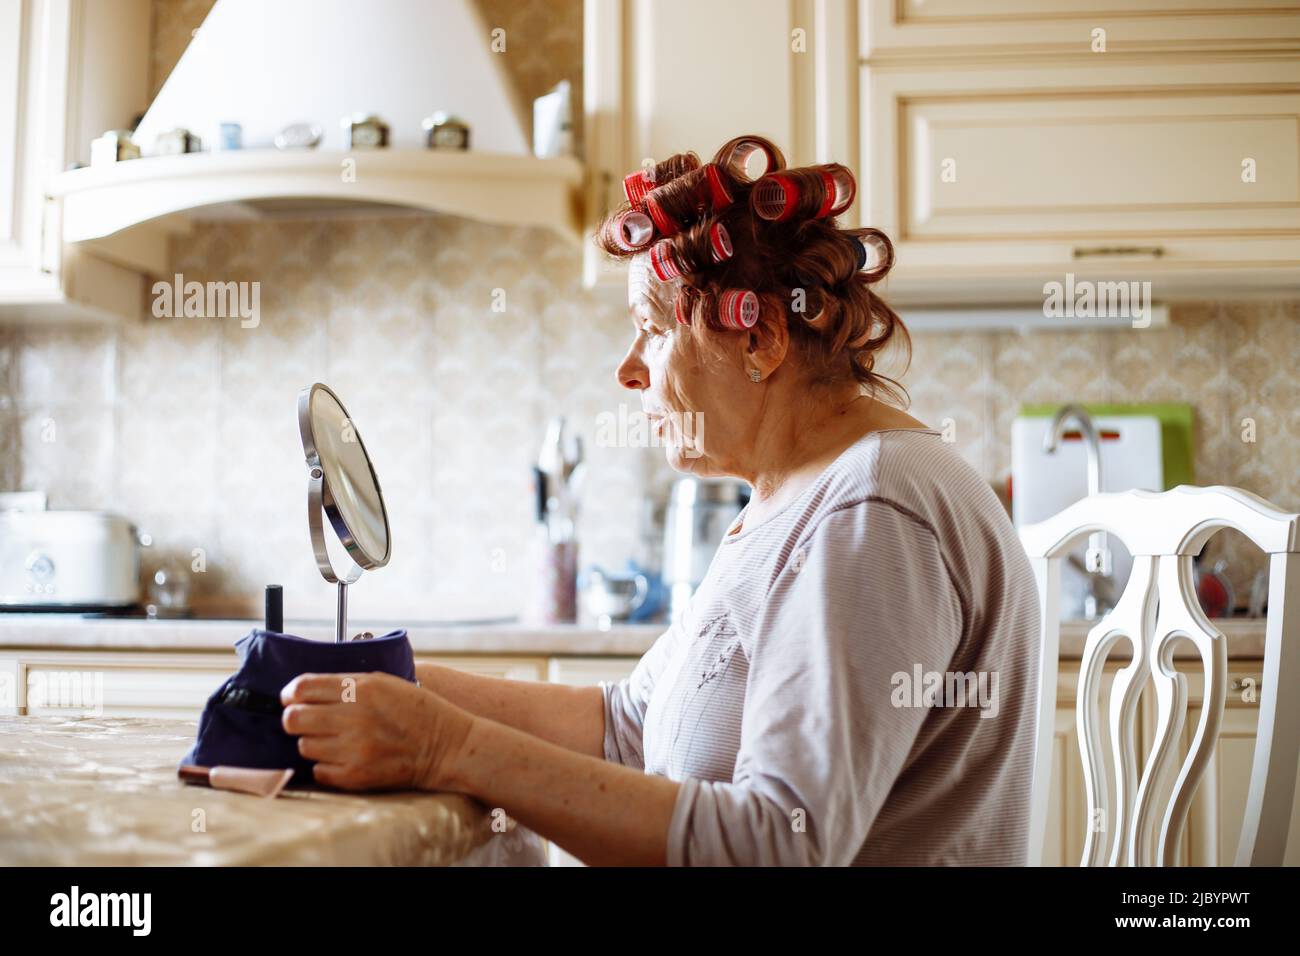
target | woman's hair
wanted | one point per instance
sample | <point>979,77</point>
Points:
<point>719,230</point>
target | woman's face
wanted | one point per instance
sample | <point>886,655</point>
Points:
<point>695,400</point>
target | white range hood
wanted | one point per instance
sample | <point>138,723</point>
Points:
<point>266,64</point>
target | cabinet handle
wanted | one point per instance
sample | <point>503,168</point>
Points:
<point>1085,252</point>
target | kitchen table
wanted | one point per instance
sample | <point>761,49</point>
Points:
<point>103,791</point>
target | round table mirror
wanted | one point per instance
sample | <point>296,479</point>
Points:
<point>342,488</point>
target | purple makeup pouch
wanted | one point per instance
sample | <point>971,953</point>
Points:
<point>240,725</point>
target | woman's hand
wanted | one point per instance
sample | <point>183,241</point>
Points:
<point>373,731</point>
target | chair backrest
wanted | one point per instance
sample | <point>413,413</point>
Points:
<point>1164,532</point>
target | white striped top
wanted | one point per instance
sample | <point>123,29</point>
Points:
<point>855,680</point>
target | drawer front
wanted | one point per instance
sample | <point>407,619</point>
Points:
<point>1100,166</point>
<point>1006,27</point>
<point>121,689</point>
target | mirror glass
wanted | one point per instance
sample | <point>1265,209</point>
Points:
<point>350,495</point>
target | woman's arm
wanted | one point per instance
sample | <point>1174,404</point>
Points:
<point>603,813</point>
<point>379,732</point>
<point>570,717</point>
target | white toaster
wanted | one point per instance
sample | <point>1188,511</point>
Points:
<point>83,560</point>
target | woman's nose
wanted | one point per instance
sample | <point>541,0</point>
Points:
<point>632,372</point>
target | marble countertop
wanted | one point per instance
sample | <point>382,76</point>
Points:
<point>73,632</point>
<point>103,792</point>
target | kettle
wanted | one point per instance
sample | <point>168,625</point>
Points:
<point>700,510</point>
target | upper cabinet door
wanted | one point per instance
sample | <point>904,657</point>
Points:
<point>1037,27</point>
<point>1013,143</point>
<point>69,70</point>
<point>667,76</point>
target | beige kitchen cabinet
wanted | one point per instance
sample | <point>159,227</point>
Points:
<point>1000,152</point>
<point>69,70</point>
<point>110,682</point>
<point>994,179</point>
<point>666,76</point>
<point>1019,28</point>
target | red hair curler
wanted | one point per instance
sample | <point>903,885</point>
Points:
<point>664,223</point>
<point>736,162</point>
<point>637,185</point>
<point>680,306</point>
<point>776,197</point>
<point>631,230</point>
<point>840,187</point>
<point>714,191</point>
<point>738,308</point>
<point>664,261</point>
<point>720,242</point>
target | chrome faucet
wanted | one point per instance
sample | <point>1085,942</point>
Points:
<point>1098,557</point>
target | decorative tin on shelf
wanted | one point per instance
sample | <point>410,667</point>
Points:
<point>177,141</point>
<point>113,147</point>
<point>298,136</point>
<point>444,131</point>
<point>365,131</point>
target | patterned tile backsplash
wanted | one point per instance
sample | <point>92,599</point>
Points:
<point>188,426</point>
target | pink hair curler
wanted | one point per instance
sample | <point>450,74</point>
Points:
<point>738,309</point>
<point>776,197</point>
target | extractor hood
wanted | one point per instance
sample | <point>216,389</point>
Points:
<point>266,65</point>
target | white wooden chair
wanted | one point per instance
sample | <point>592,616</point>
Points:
<point>1158,605</point>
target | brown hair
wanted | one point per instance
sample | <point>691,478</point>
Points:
<point>806,271</point>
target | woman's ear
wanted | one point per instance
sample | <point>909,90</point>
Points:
<point>769,341</point>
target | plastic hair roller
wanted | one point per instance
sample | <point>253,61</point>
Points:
<point>680,307</point>
<point>738,309</point>
<point>664,223</point>
<point>776,197</point>
<point>714,192</point>
<point>637,185</point>
<point>840,187</point>
<point>736,162</point>
<point>631,230</point>
<point>664,261</point>
<point>720,242</point>
<point>861,251</point>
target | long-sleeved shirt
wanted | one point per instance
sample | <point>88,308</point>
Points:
<point>855,680</point>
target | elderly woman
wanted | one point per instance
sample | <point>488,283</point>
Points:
<point>854,682</point>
